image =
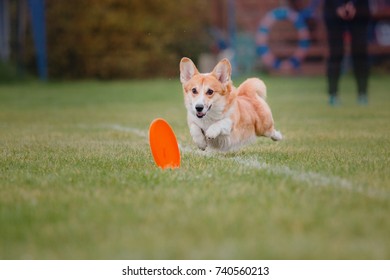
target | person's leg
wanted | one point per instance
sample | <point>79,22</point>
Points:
<point>359,49</point>
<point>335,32</point>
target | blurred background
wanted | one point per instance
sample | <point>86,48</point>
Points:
<point>128,39</point>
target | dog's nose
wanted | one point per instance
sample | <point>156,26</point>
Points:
<point>199,107</point>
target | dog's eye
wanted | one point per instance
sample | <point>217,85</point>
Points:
<point>194,91</point>
<point>209,92</point>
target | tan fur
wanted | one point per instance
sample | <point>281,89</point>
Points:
<point>229,117</point>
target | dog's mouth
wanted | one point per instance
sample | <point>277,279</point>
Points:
<point>201,114</point>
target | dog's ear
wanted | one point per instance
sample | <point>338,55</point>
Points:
<point>187,70</point>
<point>223,71</point>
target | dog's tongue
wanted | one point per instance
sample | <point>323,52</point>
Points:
<point>200,115</point>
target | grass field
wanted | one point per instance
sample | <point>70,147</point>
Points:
<point>77,180</point>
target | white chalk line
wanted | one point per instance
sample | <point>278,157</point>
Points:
<point>118,127</point>
<point>135,131</point>
<point>310,178</point>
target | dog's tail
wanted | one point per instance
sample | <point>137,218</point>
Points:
<point>253,86</point>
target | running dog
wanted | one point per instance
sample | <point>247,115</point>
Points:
<point>220,116</point>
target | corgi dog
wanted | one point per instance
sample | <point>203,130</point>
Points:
<point>221,117</point>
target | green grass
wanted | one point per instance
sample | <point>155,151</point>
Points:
<point>74,185</point>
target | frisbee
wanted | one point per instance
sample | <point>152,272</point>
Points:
<point>163,144</point>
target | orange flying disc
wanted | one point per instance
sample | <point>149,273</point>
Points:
<point>163,144</point>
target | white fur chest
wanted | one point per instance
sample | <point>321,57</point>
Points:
<point>214,131</point>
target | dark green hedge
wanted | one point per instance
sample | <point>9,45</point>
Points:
<point>123,38</point>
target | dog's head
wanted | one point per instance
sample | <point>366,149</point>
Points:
<point>205,94</point>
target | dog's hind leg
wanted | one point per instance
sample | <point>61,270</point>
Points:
<point>274,135</point>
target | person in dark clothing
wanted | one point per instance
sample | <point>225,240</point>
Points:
<point>352,16</point>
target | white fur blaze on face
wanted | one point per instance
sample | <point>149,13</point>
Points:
<point>201,105</point>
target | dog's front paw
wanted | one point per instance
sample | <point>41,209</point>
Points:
<point>200,141</point>
<point>202,147</point>
<point>213,132</point>
<point>201,144</point>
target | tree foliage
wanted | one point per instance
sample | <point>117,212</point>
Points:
<point>123,38</point>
